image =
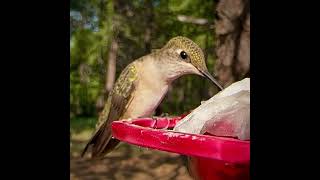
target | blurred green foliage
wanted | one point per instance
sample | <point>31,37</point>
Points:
<point>93,24</point>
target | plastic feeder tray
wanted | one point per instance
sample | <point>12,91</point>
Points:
<point>209,157</point>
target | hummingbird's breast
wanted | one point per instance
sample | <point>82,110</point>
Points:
<point>144,102</point>
<point>150,89</point>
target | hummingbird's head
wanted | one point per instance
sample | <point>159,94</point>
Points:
<point>182,56</point>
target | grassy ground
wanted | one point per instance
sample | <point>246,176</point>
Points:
<point>126,162</point>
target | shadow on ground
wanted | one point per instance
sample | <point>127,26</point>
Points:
<point>127,162</point>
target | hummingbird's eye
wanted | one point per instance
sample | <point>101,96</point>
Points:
<point>183,55</point>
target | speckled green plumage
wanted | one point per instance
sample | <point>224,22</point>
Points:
<point>124,84</point>
<point>122,88</point>
<point>113,110</point>
<point>121,95</point>
<point>129,75</point>
<point>192,49</point>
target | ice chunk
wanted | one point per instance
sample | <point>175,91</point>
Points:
<point>225,114</point>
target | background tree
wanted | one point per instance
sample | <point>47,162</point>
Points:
<point>232,27</point>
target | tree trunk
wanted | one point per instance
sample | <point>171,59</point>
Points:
<point>111,72</point>
<point>149,25</point>
<point>119,10</point>
<point>232,28</point>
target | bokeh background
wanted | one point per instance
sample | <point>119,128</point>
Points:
<point>106,35</point>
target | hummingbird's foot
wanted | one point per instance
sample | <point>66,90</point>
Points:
<point>155,118</point>
<point>164,115</point>
<point>155,125</point>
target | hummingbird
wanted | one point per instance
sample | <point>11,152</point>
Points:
<point>142,85</point>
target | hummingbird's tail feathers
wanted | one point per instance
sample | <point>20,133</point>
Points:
<point>102,142</point>
<point>112,144</point>
<point>92,141</point>
<point>86,148</point>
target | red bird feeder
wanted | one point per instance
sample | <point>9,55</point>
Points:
<point>210,157</point>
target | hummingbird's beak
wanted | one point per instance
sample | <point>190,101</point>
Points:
<point>209,76</point>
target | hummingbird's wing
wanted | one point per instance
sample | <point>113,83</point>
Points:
<point>120,96</point>
<point>118,100</point>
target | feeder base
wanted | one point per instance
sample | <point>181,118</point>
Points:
<point>209,169</point>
